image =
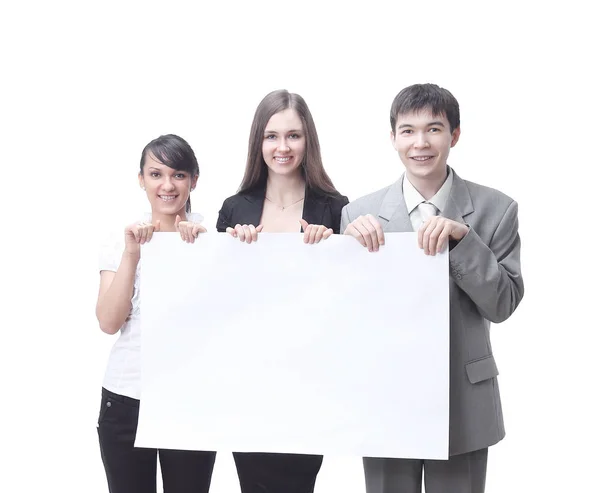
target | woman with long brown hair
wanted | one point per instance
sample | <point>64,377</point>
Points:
<point>285,189</point>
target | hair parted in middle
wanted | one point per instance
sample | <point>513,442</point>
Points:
<point>312,166</point>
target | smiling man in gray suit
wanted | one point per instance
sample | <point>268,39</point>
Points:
<point>480,227</point>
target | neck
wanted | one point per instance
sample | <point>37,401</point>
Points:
<point>285,189</point>
<point>427,186</point>
<point>167,221</point>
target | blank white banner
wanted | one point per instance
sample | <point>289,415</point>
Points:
<point>279,346</point>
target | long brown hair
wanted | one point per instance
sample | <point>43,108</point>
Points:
<point>312,166</point>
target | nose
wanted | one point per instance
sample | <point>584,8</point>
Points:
<point>283,145</point>
<point>168,185</point>
<point>421,140</point>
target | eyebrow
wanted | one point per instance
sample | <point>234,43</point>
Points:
<point>404,125</point>
<point>154,168</point>
<point>289,131</point>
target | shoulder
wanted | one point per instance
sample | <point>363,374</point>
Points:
<point>243,207</point>
<point>112,236</point>
<point>477,190</point>
<point>240,198</point>
<point>230,202</point>
<point>111,246</point>
<point>487,198</point>
<point>337,201</point>
<point>340,201</point>
<point>368,202</point>
<point>488,205</point>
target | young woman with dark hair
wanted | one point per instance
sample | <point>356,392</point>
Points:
<point>168,173</point>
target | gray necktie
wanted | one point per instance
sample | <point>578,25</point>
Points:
<point>427,210</point>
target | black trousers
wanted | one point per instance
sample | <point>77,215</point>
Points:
<point>133,470</point>
<point>277,473</point>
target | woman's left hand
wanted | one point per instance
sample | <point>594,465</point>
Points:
<point>188,230</point>
<point>314,233</point>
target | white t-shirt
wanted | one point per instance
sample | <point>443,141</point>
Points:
<point>123,372</point>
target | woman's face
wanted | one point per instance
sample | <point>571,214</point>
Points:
<point>167,189</point>
<point>284,143</point>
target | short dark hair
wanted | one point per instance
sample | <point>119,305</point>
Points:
<point>430,97</point>
<point>312,166</point>
<point>174,152</point>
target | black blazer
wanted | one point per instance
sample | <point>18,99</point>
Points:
<point>246,208</point>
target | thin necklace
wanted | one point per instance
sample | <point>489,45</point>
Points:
<point>284,207</point>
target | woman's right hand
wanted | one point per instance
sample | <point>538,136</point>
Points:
<point>137,234</point>
<point>245,232</point>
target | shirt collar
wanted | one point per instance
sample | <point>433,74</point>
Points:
<point>413,198</point>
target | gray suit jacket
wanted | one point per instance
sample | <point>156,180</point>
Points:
<point>485,286</point>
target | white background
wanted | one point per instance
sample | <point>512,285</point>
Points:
<point>85,85</point>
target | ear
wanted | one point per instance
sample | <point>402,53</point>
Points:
<point>455,136</point>
<point>194,181</point>
<point>141,180</point>
<point>393,139</point>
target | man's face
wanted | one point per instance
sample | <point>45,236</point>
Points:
<point>423,142</point>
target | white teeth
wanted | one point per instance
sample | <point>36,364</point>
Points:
<point>282,159</point>
<point>167,198</point>
<point>421,158</point>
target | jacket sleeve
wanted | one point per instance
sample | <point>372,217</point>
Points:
<point>491,275</point>
<point>338,205</point>
<point>224,220</point>
<point>345,219</point>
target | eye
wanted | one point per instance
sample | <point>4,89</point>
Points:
<point>406,131</point>
<point>295,136</point>
<point>154,174</point>
<point>434,129</point>
<point>180,176</point>
<point>269,137</point>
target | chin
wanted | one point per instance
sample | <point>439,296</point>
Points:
<point>285,171</point>
<point>425,171</point>
<point>169,208</point>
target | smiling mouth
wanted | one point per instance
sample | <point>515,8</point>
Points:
<point>283,160</point>
<point>421,159</point>
<point>167,198</point>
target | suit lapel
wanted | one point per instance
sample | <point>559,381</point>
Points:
<point>253,210</point>
<point>314,207</point>
<point>394,214</point>
<point>459,204</point>
<point>393,210</point>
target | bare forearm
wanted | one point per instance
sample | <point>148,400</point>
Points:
<point>114,305</point>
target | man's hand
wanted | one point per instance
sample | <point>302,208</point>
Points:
<point>368,232</point>
<point>433,235</point>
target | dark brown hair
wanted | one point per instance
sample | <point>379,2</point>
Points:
<point>312,166</point>
<point>174,152</point>
<point>431,97</point>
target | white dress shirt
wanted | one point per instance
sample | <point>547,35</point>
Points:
<point>413,198</point>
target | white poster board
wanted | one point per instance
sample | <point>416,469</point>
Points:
<point>280,346</point>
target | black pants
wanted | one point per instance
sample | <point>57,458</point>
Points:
<point>133,470</point>
<point>277,473</point>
